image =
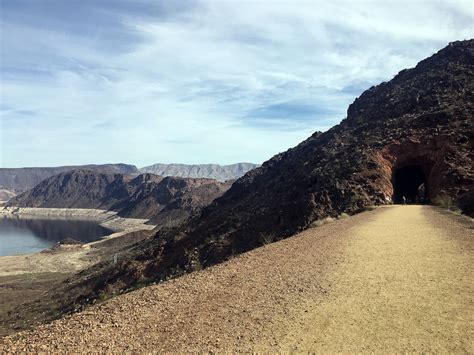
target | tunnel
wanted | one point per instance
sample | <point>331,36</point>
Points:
<point>410,182</point>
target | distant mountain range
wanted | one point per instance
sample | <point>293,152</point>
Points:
<point>209,171</point>
<point>164,200</point>
<point>420,123</point>
<point>17,180</point>
<point>21,179</point>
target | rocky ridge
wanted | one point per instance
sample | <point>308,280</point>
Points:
<point>21,179</point>
<point>422,118</point>
<point>209,171</point>
<point>165,201</point>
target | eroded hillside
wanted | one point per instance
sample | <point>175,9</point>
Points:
<point>165,201</point>
<point>415,130</point>
<point>21,179</point>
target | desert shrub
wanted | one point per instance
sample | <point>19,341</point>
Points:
<point>321,222</point>
<point>266,238</point>
<point>444,201</point>
<point>196,264</point>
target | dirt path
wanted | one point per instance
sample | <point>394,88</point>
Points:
<point>395,279</point>
<point>407,285</point>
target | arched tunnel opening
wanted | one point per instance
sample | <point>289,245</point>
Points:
<point>409,182</point>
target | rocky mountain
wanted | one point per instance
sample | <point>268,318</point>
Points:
<point>410,137</point>
<point>209,171</point>
<point>165,201</point>
<point>22,179</point>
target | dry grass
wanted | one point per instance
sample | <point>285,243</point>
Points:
<point>266,238</point>
<point>321,222</point>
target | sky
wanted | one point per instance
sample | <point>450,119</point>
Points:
<point>142,82</point>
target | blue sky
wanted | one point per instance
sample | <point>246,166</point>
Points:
<point>142,82</point>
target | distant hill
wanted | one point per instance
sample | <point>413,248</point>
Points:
<point>415,130</point>
<point>165,201</point>
<point>209,171</point>
<point>21,179</point>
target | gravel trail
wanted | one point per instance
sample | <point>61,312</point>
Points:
<point>395,279</point>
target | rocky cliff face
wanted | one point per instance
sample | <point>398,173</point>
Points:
<point>165,201</point>
<point>171,199</point>
<point>421,123</point>
<point>76,189</point>
<point>412,137</point>
<point>22,179</point>
<point>209,171</point>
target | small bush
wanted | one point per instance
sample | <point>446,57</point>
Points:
<point>321,222</point>
<point>266,238</point>
<point>447,202</point>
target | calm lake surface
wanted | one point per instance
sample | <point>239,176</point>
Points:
<point>24,236</point>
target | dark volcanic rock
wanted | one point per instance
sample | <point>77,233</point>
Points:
<point>70,241</point>
<point>22,179</point>
<point>422,118</point>
<point>166,201</point>
<point>418,126</point>
<point>75,189</point>
<point>171,199</point>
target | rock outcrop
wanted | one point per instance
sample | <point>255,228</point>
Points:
<point>422,120</point>
<point>6,194</point>
<point>165,201</point>
<point>22,179</point>
<point>413,133</point>
<point>209,171</point>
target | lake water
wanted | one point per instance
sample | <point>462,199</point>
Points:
<point>24,236</point>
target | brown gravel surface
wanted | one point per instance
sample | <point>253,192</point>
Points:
<point>395,279</point>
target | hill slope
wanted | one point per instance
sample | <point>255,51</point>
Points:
<point>210,171</point>
<point>163,200</point>
<point>22,179</point>
<point>422,120</point>
<point>415,130</point>
<point>351,286</point>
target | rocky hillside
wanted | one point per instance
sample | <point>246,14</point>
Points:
<point>6,194</point>
<point>209,171</point>
<point>418,127</point>
<point>21,179</point>
<point>420,122</point>
<point>163,200</point>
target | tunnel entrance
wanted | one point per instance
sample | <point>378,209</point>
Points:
<point>409,182</point>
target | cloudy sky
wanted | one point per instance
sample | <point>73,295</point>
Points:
<point>90,81</point>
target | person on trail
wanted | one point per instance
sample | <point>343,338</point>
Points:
<point>404,200</point>
<point>422,192</point>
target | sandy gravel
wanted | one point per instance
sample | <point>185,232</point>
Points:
<point>65,260</point>
<point>395,279</point>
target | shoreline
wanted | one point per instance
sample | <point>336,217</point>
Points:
<point>107,219</point>
<point>66,258</point>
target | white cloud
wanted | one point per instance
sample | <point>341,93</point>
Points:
<point>182,89</point>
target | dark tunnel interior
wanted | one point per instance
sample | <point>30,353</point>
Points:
<point>409,182</point>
